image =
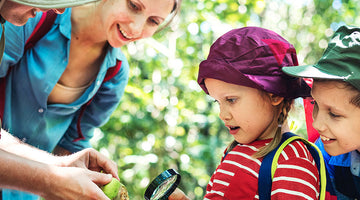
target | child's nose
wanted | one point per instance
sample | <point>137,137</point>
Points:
<point>224,114</point>
<point>318,123</point>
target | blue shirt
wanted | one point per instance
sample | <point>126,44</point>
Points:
<point>32,77</point>
<point>351,159</point>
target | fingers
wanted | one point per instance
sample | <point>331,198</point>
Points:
<point>95,192</point>
<point>100,194</point>
<point>99,160</point>
<point>76,183</point>
<point>101,178</point>
<point>97,179</point>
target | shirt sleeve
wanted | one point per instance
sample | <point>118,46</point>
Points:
<point>98,112</point>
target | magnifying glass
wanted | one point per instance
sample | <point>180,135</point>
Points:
<point>163,185</point>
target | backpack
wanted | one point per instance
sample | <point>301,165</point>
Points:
<point>43,27</point>
<point>269,165</point>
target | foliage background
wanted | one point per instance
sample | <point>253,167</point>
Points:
<point>166,121</point>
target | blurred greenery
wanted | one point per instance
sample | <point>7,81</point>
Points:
<point>166,121</point>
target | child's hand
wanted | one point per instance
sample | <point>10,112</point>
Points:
<point>178,195</point>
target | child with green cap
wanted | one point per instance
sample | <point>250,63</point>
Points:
<point>336,114</point>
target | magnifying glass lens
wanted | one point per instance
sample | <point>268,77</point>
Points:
<point>161,190</point>
<point>163,185</point>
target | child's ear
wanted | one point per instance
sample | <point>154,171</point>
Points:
<point>275,100</point>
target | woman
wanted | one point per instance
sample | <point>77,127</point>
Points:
<point>48,84</point>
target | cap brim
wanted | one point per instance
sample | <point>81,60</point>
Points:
<point>48,4</point>
<point>309,71</point>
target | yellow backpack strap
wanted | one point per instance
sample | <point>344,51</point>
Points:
<point>318,159</point>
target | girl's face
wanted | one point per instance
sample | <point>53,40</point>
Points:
<point>129,20</point>
<point>247,112</point>
<point>335,118</point>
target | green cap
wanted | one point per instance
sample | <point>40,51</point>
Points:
<point>340,61</point>
<point>48,4</point>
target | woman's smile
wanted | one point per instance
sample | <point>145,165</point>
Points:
<point>123,35</point>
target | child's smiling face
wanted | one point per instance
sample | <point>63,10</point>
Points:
<point>247,112</point>
<point>335,118</point>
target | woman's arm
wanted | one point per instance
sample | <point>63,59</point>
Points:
<point>76,176</point>
<point>87,158</point>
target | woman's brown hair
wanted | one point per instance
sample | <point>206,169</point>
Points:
<point>174,12</point>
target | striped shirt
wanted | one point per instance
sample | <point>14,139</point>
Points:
<point>236,177</point>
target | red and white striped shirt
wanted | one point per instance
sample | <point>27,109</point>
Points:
<point>236,177</point>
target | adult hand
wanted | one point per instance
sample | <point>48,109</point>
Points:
<point>87,158</point>
<point>92,160</point>
<point>70,183</point>
<point>178,195</point>
<point>76,176</point>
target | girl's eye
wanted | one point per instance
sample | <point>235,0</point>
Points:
<point>231,100</point>
<point>154,22</point>
<point>133,6</point>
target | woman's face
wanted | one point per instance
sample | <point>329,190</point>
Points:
<point>246,112</point>
<point>19,14</point>
<point>335,118</point>
<point>129,20</point>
